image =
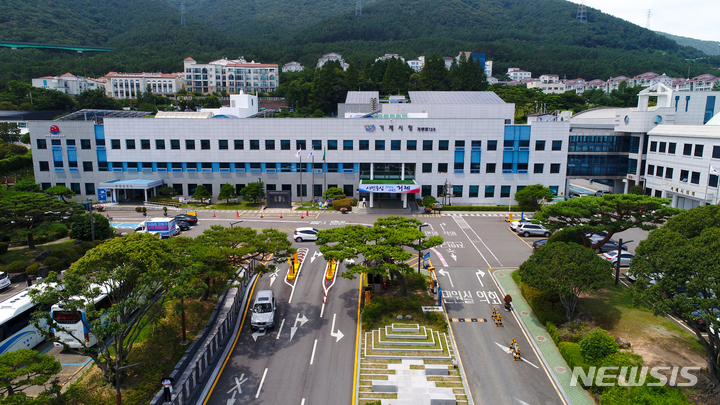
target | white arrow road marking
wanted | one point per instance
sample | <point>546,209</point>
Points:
<point>350,261</point>
<point>480,274</point>
<point>315,255</point>
<point>257,334</point>
<point>273,276</point>
<point>295,327</point>
<point>339,335</point>
<point>231,400</point>
<point>522,402</point>
<point>442,226</point>
<point>453,256</point>
<point>261,384</point>
<point>237,389</point>
<point>446,274</point>
<point>280,329</point>
<point>507,350</point>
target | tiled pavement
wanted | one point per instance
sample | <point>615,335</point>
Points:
<point>541,339</point>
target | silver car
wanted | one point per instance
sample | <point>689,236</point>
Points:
<point>263,311</point>
<point>307,233</point>
<point>532,230</point>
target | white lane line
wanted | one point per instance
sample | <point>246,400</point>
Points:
<point>302,402</point>
<point>312,357</point>
<point>280,330</point>
<point>262,381</point>
<point>322,309</point>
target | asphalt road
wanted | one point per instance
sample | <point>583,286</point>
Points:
<point>309,356</point>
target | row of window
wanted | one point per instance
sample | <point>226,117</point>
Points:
<point>286,167</point>
<point>670,147</point>
<point>474,191</point>
<point>84,143</point>
<point>89,187</point>
<point>285,144</point>
<point>685,175</point>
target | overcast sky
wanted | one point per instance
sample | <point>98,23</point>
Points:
<point>694,18</point>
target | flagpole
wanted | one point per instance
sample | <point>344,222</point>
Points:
<point>301,183</point>
<point>324,173</point>
<point>313,177</point>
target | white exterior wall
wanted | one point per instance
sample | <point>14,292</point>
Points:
<point>70,86</point>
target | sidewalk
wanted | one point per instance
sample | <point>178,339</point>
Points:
<point>543,343</point>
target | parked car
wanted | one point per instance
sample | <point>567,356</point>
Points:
<point>539,243</point>
<point>4,280</point>
<point>190,219</point>
<point>183,225</point>
<point>514,224</point>
<point>610,245</point>
<point>612,256</point>
<point>532,230</point>
<point>303,234</point>
<point>263,311</point>
<point>633,277</point>
<point>702,318</point>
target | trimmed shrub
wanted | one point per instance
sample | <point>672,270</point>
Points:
<point>553,332</point>
<point>32,269</point>
<point>415,281</point>
<point>15,267</point>
<point>87,245</point>
<point>50,261</point>
<point>571,354</point>
<point>138,209</point>
<point>81,227</point>
<point>68,254</point>
<point>3,248</point>
<point>354,202</point>
<point>597,345</point>
<point>58,266</point>
<point>79,250</point>
<point>547,307</point>
<point>50,231</point>
<point>343,203</point>
<point>567,235</point>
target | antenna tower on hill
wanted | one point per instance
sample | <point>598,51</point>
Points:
<point>182,15</point>
<point>358,7</point>
<point>581,13</point>
<point>649,15</point>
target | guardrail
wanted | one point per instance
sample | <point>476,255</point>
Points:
<point>197,363</point>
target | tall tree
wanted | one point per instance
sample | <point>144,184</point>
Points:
<point>96,99</point>
<point>566,269</point>
<point>682,259</point>
<point>25,368</point>
<point>201,193</point>
<point>9,132</point>
<point>138,272</point>
<point>384,248</point>
<point>611,213</point>
<point>227,191</point>
<point>352,77</point>
<point>434,75</point>
<point>253,192</point>
<point>532,196</point>
<point>28,210</point>
<point>26,186</point>
<point>328,88</point>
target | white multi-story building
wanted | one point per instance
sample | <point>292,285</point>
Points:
<point>292,67</point>
<point>390,56</point>
<point>129,85</point>
<point>547,88</point>
<point>68,83</point>
<point>462,138</point>
<point>332,56</point>
<point>232,76</point>
<point>549,78</point>
<point>517,75</point>
<point>417,64</point>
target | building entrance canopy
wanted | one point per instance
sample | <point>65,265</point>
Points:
<point>389,186</point>
<point>122,189</point>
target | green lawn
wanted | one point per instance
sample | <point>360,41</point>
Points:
<point>224,206</point>
<point>26,254</point>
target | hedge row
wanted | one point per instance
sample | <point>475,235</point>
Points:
<point>547,307</point>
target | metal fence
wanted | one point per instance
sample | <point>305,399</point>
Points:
<point>196,365</point>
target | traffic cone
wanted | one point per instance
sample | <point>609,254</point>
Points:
<point>307,213</point>
<point>237,214</point>
<point>261,214</point>
<point>213,214</point>
<point>281,215</point>
<point>107,215</point>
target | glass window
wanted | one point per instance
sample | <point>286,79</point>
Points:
<point>504,191</point>
<point>75,187</point>
<point>57,142</point>
<point>425,190</point>
<point>379,144</point>
<point>85,144</point>
<point>189,144</point>
<point>427,145</point>
<point>659,171</point>
<point>89,188</point>
<point>457,191</point>
<point>716,152</point>
<point>539,145</point>
<point>348,144</point>
<point>239,144</point>
<point>70,142</point>
<point>669,173</point>
<point>205,144</point>
<point>459,144</point>
<point>651,170</point>
<point>254,144</point>
<point>442,167</point>
<point>44,166</point>
<point>489,167</point>
<point>115,143</point>
<point>317,144</point>
<point>440,190</point>
<point>695,178</point>
<point>395,144</point>
<point>269,144</point>
<point>713,181</point>
<point>684,175</point>
<point>42,144</point>
<point>222,144</point>
<point>144,144</point>
<point>411,145</point>
<point>443,145</point>
<point>653,146</point>
<point>492,145</point>
<point>284,144</point>
<point>332,144</point>
<point>556,145</point>
<point>364,145</point>
<point>671,147</point>
<point>489,191</point>
<point>474,191</point>
<point>554,167</point>
<point>662,147</point>
<point>687,149</point>
<point>332,167</point>
<point>538,168</point>
<point>348,189</point>
<point>159,144</point>
<point>87,166</point>
<point>427,167</point>
<point>699,150</point>
<point>301,145</point>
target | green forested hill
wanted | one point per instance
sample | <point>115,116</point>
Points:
<point>537,35</point>
<point>709,47</point>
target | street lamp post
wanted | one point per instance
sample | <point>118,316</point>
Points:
<point>235,223</point>
<point>419,242</point>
